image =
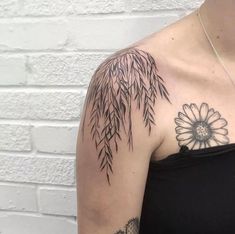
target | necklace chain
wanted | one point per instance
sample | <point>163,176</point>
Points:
<point>213,47</point>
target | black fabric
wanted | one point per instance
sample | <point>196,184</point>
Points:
<point>192,191</point>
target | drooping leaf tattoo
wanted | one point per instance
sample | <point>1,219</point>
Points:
<point>126,77</point>
<point>132,227</point>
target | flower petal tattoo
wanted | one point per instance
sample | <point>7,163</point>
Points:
<point>126,77</point>
<point>200,127</point>
<point>132,227</point>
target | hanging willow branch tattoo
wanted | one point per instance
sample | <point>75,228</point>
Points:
<point>126,77</point>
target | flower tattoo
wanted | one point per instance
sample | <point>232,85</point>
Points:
<point>200,127</point>
<point>132,227</point>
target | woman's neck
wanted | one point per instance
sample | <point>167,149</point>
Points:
<point>219,18</point>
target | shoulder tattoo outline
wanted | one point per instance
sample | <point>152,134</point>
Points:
<point>127,77</point>
<point>200,127</point>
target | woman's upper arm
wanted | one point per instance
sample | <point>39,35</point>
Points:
<point>117,135</point>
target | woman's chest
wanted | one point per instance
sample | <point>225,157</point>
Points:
<point>201,115</point>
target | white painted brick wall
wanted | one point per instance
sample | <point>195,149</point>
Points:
<point>16,197</point>
<point>58,136</point>
<point>12,70</point>
<point>15,137</point>
<point>57,201</point>
<point>48,53</point>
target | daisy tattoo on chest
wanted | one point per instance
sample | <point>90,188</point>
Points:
<point>125,80</point>
<point>200,127</point>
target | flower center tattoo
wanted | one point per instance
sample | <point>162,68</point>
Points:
<point>202,131</point>
<point>199,127</point>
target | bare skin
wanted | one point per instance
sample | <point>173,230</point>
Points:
<point>118,138</point>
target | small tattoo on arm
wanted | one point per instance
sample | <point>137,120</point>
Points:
<point>130,76</point>
<point>200,127</point>
<point>132,227</point>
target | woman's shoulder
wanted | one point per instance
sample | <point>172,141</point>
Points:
<point>179,50</point>
<point>184,62</point>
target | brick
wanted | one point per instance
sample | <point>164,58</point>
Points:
<point>146,5</point>
<point>15,138</point>
<point>26,224</point>
<point>8,8</point>
<point>12,70</point>
<point>98,6</point>
<point>18,198</point>
<point>61,69</point>
<point>85,33</point>
<point>55,139</point>
<point>34,34</point>
<point>65,7</point>
<point>41,105</point>
<point>58,201</point>
<point>114,33</point>
<point>45,170</point>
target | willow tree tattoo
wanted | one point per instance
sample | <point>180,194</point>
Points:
<point>132,227</point>
<point>128,76</point>
<point>200,127</point>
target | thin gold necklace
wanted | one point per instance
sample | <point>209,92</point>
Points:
<point>213,47</point>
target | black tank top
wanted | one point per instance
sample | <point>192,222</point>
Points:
<point>189,192</point>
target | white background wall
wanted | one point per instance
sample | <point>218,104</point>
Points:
<point>48,52</point>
